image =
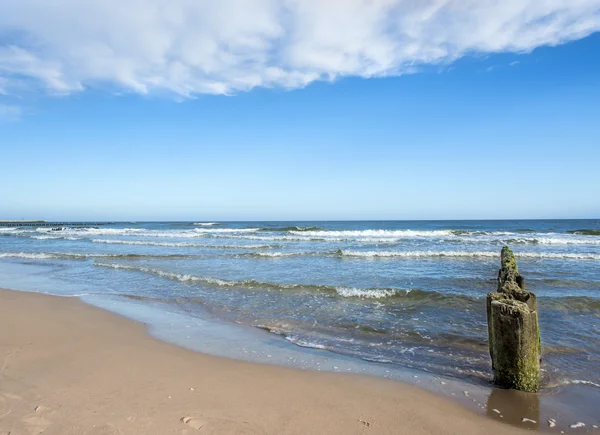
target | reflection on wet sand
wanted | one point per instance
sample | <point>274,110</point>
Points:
<point>515,408</point>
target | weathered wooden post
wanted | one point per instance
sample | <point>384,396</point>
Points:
<point>514,336</point>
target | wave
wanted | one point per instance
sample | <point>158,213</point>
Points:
<point>409,296</point>
<point>205,224</point>
<point>252,284</point>
<point>141,232</point>
<point>467,254</point>
<point>585,232</point>
<point>226,230</point>
<point>469,233</point>
<point>181,244</point>
<point>304,343</point>
<point>275,238</point>
<point>292,228</point>
<point>315,234</point>
<point>374,233</point>
<point>383,237</point>
<point>141,298</point>
<point>580,382</point>
<point>46,237</point>
<point>570,303</point>
<point>406,296</point>
<point>277,254</point>
<point>51,237</point>
<point>350,292</point>
<point>550,241</point>
<point>27,255</point>
<point>97,231</point>
<point>77,256</point>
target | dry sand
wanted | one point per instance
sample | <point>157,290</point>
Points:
<point>69,368</point>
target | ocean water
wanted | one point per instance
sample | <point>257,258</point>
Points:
<point>400,293</point>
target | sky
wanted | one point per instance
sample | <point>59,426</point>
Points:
<point>299,110</point>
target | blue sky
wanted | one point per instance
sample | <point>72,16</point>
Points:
<point>476,133</point>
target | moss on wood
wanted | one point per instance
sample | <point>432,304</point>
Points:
<point>513,330</point>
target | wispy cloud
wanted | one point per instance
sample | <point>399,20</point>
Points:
<point>9,113</point>
<point>190,47</point>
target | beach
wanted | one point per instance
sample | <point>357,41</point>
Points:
<point>69,368</point>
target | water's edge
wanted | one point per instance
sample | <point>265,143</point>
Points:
<point>207,335</point>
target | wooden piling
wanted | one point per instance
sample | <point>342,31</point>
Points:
<point>513,330</point>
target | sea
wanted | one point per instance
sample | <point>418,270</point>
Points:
<point>394,294</point>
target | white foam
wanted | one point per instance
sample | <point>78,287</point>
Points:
<point>469,254</point>
<point>558,256</point>
<point>293,238</point>
<point>580,382</point>
<point>123,232</point>
<point>374,233</point>
<point>50,237</point>
<point>225,230</point>
<point>91,231</point>
<point>305,343</point>
<point>27,255</point>
<point>278,254</point>
<point>369,254</point>
<point>176,244</point>
<point>205,224</point>
<point>142,232</point>
<point>66,255</point>
<point>350,292</point>
<point>567,240</point>
<point>268,238</point>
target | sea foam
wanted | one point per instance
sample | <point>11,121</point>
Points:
<point>179,244</point>
<point>467,254</point>
<point>374,233</point>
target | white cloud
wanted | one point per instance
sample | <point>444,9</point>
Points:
<point>190,47</point>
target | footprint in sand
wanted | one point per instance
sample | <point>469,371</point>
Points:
<point>37,421</point>
<point>220,426</point>
<point>35,424</point>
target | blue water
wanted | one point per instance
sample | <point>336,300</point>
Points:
<point>405,294</point>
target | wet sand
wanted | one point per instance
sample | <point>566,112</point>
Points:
<point>69,368</point>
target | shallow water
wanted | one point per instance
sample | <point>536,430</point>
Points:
<point>404,294</point>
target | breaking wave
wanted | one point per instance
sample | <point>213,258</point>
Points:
<point>277,254</point>
<point>76,256</point>
<point>551,241</point>
<point>141,232</point>
<point>374,233</point>
<point>226,230</point>
<point>292,229</point>
<point>305,343</point>
<point>252,284</point>
<point>180,244</point>
<point>585,232</point>
<point>467,254</point>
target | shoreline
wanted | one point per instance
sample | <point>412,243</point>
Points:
<point>85,368</point>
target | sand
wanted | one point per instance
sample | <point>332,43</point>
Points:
<point>69,368</point>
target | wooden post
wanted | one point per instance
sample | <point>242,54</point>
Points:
<point>514,337</point>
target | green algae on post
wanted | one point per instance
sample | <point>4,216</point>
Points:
<point>513,330</point>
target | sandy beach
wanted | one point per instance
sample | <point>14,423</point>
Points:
<point>69,368</point>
